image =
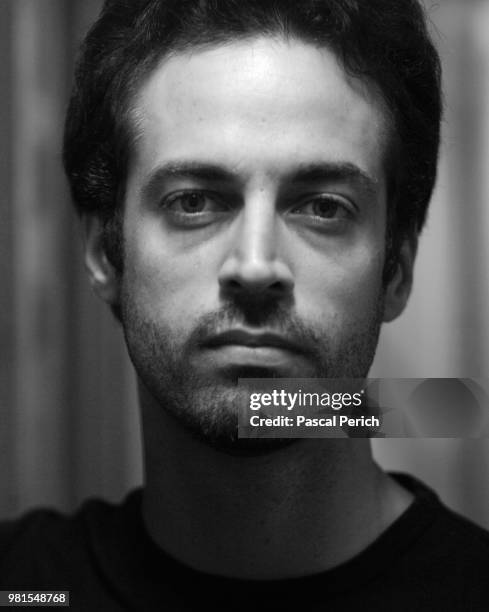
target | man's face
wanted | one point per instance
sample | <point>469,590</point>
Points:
<point>254,225</point>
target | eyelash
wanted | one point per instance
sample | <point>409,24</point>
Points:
<point>174,197</point>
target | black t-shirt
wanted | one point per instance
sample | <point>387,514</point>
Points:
<point>430,559</point>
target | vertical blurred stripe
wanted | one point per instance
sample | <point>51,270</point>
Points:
<point>480,25</point>
<point>472,458</point>
<point>445,329</point>
<point>6,277</point>
<point>42,468</point>
<point>68,423</point>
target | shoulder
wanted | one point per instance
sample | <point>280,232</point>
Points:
<point>446,531</point>
<point>448,552</point>
<point>30,530</point>
<point>441,519</point>
<point>48,548</point>
<point>26,547</point>
<point>459,544</point>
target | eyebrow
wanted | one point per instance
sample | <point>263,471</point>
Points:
<point>307,173</point>
<point>185,169</point>
<point>335,171</point>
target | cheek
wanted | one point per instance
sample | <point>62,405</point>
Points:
<point>346,290</point>
<point>168,283</point>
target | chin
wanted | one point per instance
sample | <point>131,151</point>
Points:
<point>210,415</point>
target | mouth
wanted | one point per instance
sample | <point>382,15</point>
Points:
<point>263,341</point>
<point>242,352</point>
<point>265,353</point>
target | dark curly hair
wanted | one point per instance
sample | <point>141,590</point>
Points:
<point>383,41</point>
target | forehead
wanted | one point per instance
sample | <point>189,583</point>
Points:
<point>259,105</point>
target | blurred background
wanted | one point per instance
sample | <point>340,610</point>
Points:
<point>69,425</point>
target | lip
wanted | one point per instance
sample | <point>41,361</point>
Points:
<point>241,337</point>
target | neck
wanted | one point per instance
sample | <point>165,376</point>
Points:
<point>295,511</point>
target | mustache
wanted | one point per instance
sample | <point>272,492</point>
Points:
<point>278,320</point>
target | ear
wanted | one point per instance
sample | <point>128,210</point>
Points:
<point>399,287</point>
<point>102,274</point>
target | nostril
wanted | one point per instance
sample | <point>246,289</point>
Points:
<point>233,284</point>
<point>278,286</point>
<point>256,276</point>
<point>256,287</point>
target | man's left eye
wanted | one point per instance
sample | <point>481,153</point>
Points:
<point>325,208</point>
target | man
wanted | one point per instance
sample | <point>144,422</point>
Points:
<point>252,178</point>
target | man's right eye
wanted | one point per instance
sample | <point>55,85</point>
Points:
<point>193,207</point>
<point>191,202</point>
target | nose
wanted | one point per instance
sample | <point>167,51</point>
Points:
<point>255,263</point>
